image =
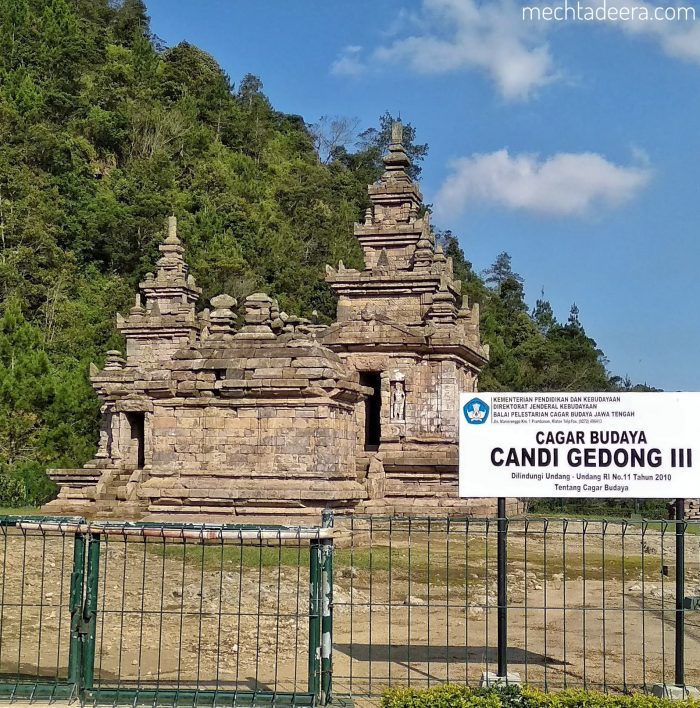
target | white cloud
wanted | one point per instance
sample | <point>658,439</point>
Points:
<point>564,184</point>
<point>489,37</point>
<point>678,38</point>
<point>349,63</point>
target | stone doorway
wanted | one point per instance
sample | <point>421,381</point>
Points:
<point>373,409</point>
<point>137,430</point>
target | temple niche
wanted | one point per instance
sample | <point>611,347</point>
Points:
<point>264,413</point>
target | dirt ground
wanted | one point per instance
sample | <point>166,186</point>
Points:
<point>411,605</point>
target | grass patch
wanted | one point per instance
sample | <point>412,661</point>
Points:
<point>20,511</point>
<point>436,567</point>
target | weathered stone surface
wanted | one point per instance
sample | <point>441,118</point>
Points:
<point>202,418</point>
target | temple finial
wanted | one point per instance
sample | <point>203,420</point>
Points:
<point>172,230</point>
<point>397,161</point>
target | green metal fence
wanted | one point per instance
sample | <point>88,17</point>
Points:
<point>165,613</point>
<point>41,598</point>
<point>591,603</point>
<point>251,615</point>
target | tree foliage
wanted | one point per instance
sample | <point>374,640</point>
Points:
<point>103,133</point>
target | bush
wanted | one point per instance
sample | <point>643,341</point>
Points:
<point>25,484</point>
<point>453,696</point>
<point>38,488</point>
<point>13,493</point>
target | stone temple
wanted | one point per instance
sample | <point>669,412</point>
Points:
<point>281,415</point>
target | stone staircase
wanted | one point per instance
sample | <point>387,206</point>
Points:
<point>98,493</point>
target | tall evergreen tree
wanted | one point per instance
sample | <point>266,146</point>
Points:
<point>543,315</point>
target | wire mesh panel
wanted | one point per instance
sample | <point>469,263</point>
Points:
<point>591,603</point>
<point>183,612</point>
<point>40,596</point>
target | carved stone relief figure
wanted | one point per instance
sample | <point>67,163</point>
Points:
<point>398,399</point>
<point>105,427</point>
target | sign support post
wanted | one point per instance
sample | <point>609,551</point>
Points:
<point>502,591</point>
<point>680,592</point>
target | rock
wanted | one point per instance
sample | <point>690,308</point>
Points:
<point>348,572</point>
<point>649,548</point>
<point>475,613</point>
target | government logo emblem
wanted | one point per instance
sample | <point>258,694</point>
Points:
<point>476,411</point>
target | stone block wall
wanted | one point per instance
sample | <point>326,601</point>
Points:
<point>399,256</point>
<point>254,441</point>
<point>406,309</point>
<point>147,352</point>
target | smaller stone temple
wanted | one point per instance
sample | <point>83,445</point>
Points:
<point>210,413</point>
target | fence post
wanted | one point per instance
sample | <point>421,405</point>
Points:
<point>680,593</point>
<point>76,609</point>
<point>327,611</point>
<point>314,615</point>
<point>90,610</point>
<point>502,591</point>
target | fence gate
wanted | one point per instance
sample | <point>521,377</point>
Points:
<point>41,601</point>
<point>165,613</point>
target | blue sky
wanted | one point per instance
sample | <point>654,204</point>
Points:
<point>572,145</point>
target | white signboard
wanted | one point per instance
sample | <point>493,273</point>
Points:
<point>633,445</point>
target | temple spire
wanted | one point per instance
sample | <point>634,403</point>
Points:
<point>397,163</point>
<point>172,237</point>
<point>172,289</point>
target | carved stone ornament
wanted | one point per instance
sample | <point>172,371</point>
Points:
<point>398,400</point>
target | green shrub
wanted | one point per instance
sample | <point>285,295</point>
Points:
<point>25,484</point>
<point>13,493</point>
<point>454,696</point>
<point>38,488</point>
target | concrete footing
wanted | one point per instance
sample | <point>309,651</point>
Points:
<point>491,678</point>
<point>673,692</point>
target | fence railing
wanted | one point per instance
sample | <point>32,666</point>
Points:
<point>591,603</point>
<point>164,613</point>
<point>202,614</point>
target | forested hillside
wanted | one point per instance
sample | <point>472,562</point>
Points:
<point>103,133</point>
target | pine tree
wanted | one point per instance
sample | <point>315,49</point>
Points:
<point>130,18</point>
<point>543,315</point>
<point>500,272</point>
<point>26,387</point>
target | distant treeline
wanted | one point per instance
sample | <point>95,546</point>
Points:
<point>103,133</point>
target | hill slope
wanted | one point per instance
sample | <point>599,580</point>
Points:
<point>103,133</point>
